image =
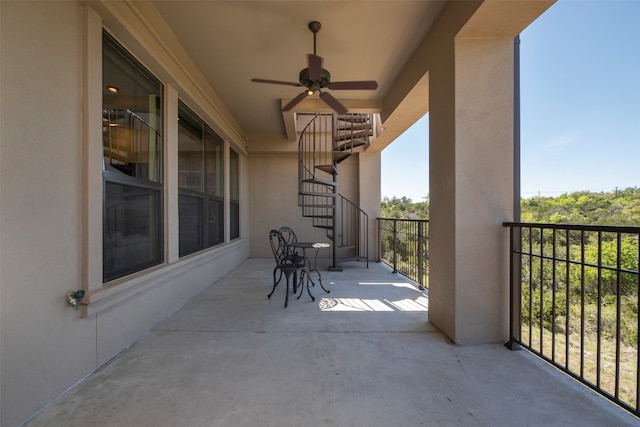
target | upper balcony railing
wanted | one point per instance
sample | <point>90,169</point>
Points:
<point>574,303</point>
<point>403,245</point>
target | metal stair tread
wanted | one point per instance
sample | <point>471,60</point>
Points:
<point>316,194</point>
<point>353,135</point>
<point>347,146</point>
<point>339,156</point>
<point>319,181</point>
<point>330,169</point>
<point>313,205</point>
<point>354,126</point>
<point>359,118</point>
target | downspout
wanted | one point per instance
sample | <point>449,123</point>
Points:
<point>516,129</point>
<point>515,232</point>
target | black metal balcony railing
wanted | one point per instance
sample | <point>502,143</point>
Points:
<point>574,303</point>
<point>403,245</point>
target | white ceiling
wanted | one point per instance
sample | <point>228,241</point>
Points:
<point>234,41</point>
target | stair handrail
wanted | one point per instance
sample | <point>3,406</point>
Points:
<point>354,228</point>
<point>321,146</point>
<point>315,153</point>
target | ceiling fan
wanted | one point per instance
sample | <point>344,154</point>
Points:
<point>315,78</point>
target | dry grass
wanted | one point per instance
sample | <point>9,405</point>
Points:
<point>587,366</point>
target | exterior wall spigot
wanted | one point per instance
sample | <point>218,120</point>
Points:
<point>74,296</point>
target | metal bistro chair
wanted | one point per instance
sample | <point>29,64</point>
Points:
<point>288,234</point>
<point>290,237</point>
<point>284,263</point>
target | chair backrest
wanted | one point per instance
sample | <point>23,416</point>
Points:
<point>278,246</point>
<point>288,234</point>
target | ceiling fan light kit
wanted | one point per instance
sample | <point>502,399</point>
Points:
<point>315,78</point>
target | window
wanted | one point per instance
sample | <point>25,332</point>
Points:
<point>234,182</point>
<point>200,183</point>
<point>132,164</point>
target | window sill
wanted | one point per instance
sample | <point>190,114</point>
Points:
<point>126,288</point>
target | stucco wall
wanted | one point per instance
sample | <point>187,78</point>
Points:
<point>370,194</point>
<point>471,169</point>
<point>47,345</point>
<point>273,179</point>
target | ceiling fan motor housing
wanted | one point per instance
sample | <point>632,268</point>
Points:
<point>315,85</point>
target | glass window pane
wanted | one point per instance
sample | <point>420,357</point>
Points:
<point>201,201</point>
<point>190,224</point>
<point>215,222</point>
<point>234,174</point>
<point>215,164</point>
<point>131,115</point>
<point>234,231</point>
<point>234,177</point>
<point>132,163</point>
<point>190,149</point>
<point>132,229</point>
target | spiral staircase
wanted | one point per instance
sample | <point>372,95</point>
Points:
<point>327,141</point>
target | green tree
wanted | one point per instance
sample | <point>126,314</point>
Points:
<point>404,208</point>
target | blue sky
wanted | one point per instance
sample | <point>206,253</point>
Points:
<point>580,106</point>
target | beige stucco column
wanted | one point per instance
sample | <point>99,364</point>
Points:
<point>369,178</point>
<point>465,65</point>
<point>471,188</point>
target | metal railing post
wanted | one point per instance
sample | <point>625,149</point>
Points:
<point>587,299</point>
<point>379,240</point>
<point>408,236</point>
<point>395,245</point>
<point>514,289</point>
<point>420,254</point>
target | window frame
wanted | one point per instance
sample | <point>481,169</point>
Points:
<point>155,186</point>
<point>103,296</point>
<point>234,196</point>
<point>210,142</point>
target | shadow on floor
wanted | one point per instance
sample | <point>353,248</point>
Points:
<point>363,355</point>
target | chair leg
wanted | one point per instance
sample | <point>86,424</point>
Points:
<point>275,283</point>
<point>305,278</point>
<point>295,281</point>
<point>309,292</point>
<point>286,298</point>
<point>315,268</point>
<point>320,280</point>
<point>301,282</point>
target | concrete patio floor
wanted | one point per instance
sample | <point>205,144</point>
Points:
<point>363,355</point>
